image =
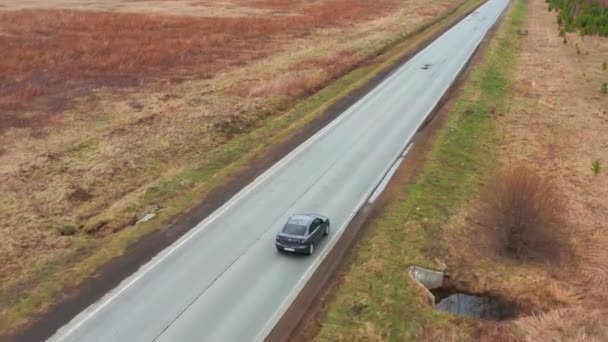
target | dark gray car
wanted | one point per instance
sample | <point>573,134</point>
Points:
<point>302,233</point>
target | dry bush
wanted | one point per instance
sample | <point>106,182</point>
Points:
<point>526,213</point>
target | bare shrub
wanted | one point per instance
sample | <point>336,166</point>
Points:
<point>526,212</point>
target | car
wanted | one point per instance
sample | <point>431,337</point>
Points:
<point>302,233</point>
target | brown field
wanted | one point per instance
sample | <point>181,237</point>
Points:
<point>556,126</point>
<point>164,7</point>
<point>48,52</point>
<point>110,110</point>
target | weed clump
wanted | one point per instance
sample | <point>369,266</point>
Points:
<point>596,167</point>
<point>604,88</point>
<point>526,213</point>
<point>604,65</point>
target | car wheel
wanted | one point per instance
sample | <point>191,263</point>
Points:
<point>311,249</point>
<point>279,249</point>
<point>326,230</point>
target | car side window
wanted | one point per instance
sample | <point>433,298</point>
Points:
<point>314,226</point>
<point>317,223</point>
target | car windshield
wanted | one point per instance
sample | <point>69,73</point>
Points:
<point>294,229</point>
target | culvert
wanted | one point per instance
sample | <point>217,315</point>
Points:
<point>427,280</point>
<point>463,304</point>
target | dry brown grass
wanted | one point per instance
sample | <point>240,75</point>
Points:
<point>163,7</point>
<point>559,325</point>
<point>577,324</point>
<point>45,52</point>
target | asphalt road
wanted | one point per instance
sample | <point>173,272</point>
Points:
<point>224,280</point>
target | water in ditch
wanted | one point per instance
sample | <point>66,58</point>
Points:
<point>474,306</point>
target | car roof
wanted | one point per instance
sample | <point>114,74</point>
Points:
<point>301,219</point>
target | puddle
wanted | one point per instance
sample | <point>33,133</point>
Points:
<point>474,306</point>
<point>480,307</point>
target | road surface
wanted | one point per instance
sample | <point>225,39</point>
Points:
<point>224,280</point>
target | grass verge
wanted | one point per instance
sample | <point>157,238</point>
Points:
<point>186,188</point>
<point>377,300</point>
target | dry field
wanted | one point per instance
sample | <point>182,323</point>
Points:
<point>108,110</point>
<point>162,7</point>
<point>556,125</point>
